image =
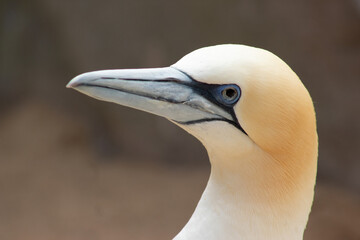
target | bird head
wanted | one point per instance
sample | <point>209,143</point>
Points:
<point>256,120</point>
<point>228,96</point>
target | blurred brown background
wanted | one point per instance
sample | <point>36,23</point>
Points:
<point>72,167</point>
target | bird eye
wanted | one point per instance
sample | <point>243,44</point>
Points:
<point>230,94</point>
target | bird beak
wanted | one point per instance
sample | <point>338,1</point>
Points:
<point>166,92</point>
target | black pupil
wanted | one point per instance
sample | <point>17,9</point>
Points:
<point>229,93</point>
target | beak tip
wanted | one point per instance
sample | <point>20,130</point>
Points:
<point>81,79</point>
<point>74,82</point>
<point>71,84</point>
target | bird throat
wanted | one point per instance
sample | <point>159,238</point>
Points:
<point>249,201</point>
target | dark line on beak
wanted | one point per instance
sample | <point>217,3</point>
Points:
<point>135,93</point>
<point>211,120</point>
<point>174,80</point>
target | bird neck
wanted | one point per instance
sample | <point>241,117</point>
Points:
<point>251,198</point>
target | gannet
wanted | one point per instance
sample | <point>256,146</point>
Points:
<point>257,122</point>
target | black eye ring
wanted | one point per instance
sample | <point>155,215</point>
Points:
<point>228,94</point>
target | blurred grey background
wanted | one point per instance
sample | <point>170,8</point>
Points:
<point>72,167</point>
